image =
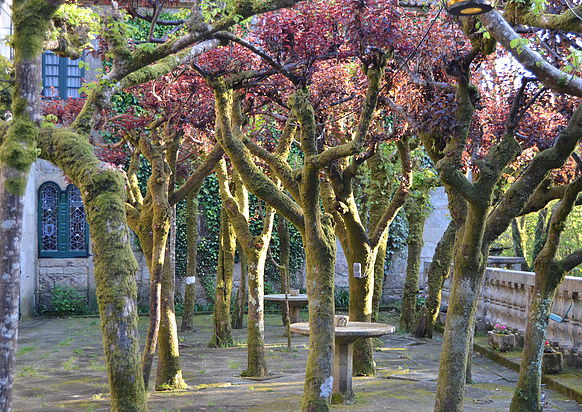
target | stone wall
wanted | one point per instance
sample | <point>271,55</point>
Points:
<point>395,276</point>
<point>436,223</point>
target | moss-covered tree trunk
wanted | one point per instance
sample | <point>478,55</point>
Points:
<point>192,248</point>
<point>361,288</point>
<point>379,274</point>
<point>242,198</point>
<point>320,250</point>
<point>103,190</point>
<point>284,265</point>
<point>169,372</point>
<point>527,395</point>
<point>241,297</point>
<point>256,359</point>
<point>416,216</point>
<point>470,256</point>
<point>255,249</point>
<point>469,267</point>
<point>17,152</point>
<point>549,274</point>
<point>11,213</point>
<point>221,335</point>
<point>438,272</point>
<point>378,201</point>
<point>540,233</point>
<point>518,237</point>
<point>320,262</point>
<point>152,226</point>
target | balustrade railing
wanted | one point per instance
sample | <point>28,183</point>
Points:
<point>506,297</point>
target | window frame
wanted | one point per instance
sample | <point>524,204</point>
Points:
<point>63,225</point>
<point>63,75</point>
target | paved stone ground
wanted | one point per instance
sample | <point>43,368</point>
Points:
<point>60,367</point>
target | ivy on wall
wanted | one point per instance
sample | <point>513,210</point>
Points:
<point>208,244</point>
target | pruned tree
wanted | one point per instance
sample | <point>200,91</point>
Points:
<point>550,272</point>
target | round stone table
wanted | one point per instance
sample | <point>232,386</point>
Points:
<point>295,304</point>
<point>344,349</point>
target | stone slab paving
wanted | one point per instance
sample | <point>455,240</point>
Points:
<point>60,368</point>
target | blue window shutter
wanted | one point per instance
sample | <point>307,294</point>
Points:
<point>50,75</point>
<point>61,76</point>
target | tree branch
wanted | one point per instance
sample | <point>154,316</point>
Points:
<point>374,75</point>
<point>198,175</point>
<point>550,76</point>
<point>516,197</point>
<point>566,21</point>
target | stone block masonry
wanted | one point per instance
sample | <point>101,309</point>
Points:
<point>506,298</point>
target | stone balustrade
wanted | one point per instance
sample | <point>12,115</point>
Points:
<point>506,298</point>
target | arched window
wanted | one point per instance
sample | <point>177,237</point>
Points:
<point>62,227</point>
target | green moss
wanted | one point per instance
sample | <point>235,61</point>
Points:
<point>18,150</point>
<point>31,20</point>
<point>103,191</point>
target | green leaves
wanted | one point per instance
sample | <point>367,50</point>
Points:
<point>518,43</point>
<point>575,59</point>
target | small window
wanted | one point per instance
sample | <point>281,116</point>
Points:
<point>61,76</point>
<point>62,225</point>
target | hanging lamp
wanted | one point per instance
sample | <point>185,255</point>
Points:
<point>468,7</point>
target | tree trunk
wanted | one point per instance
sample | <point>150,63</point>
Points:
<point>319,242</point>
<point>378,202</point>
<point>17,153</point>
<point>11,213</point>
<point>256,360</point>
<point>103,190</point>
<point>416,215</point>
<point>518,237</point>
<point>192,240</point>
<point>438,272</point>
<point>359,250</point>
<point>255,248</point>
<point>169,373</point>
<point>222,332</point>
<point>379,274</point>
<point>468,272</point>
<point>242,198</point>
<point>527,395</point>
<point>549,274</point>
<point>241,296</point>
<point>320,262</point>
<point>284,261</point>
<point>153,231</point>
<point>540,233</point>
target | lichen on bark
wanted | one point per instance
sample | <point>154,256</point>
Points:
<point>103,190</point>
<point>192,240</point>
<point>222,335</point>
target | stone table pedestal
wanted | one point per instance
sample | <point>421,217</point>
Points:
<point>345,336</point>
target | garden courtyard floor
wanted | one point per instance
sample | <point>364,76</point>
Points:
<point>60,367</point>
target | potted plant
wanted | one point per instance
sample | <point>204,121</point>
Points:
<point>552,359</point>
<point>501,338</point>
